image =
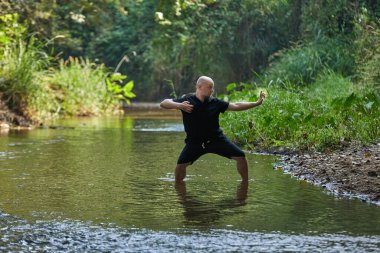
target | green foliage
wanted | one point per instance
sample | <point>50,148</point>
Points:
<point>117,90</point>
<point>126,45</point>
<point>329,114</point>
<point>302,64</point>
<point>329,18</point>
<point>10,30</point>
<point>368,57</point>
<point>324,54</point>
<point>229,40</point>
<point>76,88</point>
<point>21,58</point>
<point>225,39</point>
<point>77,22</point>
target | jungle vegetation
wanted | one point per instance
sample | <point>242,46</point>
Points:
<point>317,60</point>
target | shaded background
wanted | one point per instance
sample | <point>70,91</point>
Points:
<point>164,42</point>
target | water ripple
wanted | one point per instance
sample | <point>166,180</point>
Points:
<point>161,127</point>
<point>76,236</point>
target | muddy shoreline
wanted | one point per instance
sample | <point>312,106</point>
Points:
<point>352,172</point>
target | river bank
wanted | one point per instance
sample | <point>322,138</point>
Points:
<point>12,120</point>
<point>352,172</point>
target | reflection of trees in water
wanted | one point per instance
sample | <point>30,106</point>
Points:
<point>199,212</point>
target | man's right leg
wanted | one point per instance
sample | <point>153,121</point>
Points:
<point>180,172</point>
<point>189,154</point>
<point>242,167</point>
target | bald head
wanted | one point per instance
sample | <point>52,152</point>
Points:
<point>204,87</point>
<point>204,80</point>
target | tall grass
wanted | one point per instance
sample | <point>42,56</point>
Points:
<point>368,57</point>
<point>302,64</point>
<point>331,113</point>
<point>20,62</point>
<point>76,88</point>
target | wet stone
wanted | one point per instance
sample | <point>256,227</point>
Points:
<point>372,173</point>
<point>355,169</point>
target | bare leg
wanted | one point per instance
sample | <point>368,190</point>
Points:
<point>242,167</point>
<point>242,192</point>
<point>180,187</point>
<point>180,172</point>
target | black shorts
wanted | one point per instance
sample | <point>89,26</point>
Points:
<point>223,147</point>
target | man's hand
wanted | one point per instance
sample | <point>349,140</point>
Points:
<point>262,96</point>
<point>170,104</point>
<point>240,106</point>
<point>186,106</point>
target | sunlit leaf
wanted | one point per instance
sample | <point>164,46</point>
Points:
<point>108,82</point>
<point>117,89</point>
<point>117,77</point>
<point>128,86</point>
<point>129,94</point>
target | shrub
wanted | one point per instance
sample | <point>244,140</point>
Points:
<point>77,87</point>
<point>20,59</point>
<point>302,64</point>
<point>330,113</point>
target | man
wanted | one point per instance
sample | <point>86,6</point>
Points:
<point>200,113</point>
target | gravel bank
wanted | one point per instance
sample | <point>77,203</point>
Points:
<point>353,172</point>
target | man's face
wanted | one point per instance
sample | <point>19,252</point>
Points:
<point>207,89</point>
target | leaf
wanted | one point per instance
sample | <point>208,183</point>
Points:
<point>117,89</point>
<point>296,115</point>
<point>129,94</point>
<point>247,86</point>
<point>109,85</point>
<point>308,117</point>
<point>369,105</point>
<point>117,77</point>
<point>231,86</point>
<point>128,86</point>
<point>350,100</point>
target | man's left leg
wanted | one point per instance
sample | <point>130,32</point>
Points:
<point>242,167</point>
<point>180,172</point>
<point>226,148</point>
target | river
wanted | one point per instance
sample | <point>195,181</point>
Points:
<point>107,185</point>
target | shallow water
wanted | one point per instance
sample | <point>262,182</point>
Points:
<point>106,184</point>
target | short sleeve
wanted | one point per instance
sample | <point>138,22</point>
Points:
<point>223,105</point>
<point>180,99</point>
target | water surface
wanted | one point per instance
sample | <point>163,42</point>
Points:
<point>112,179</point>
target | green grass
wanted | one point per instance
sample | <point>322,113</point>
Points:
<point>331,113</point>
<point>20,62</point>
<point>76,88</point>
<point>33,87</point>
<point>302,64</point>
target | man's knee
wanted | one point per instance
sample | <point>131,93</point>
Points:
<point>182,165</point>
<point>180,172</point>
<point>239,158</point>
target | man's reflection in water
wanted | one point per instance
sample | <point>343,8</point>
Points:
<point>203,213</point>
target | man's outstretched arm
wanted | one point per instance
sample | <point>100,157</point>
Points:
<point>241,106</point>
<point>170,104</point>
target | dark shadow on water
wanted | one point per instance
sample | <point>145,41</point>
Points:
<point>204,214</point>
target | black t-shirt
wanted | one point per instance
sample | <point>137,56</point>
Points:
<point>202,123</point>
